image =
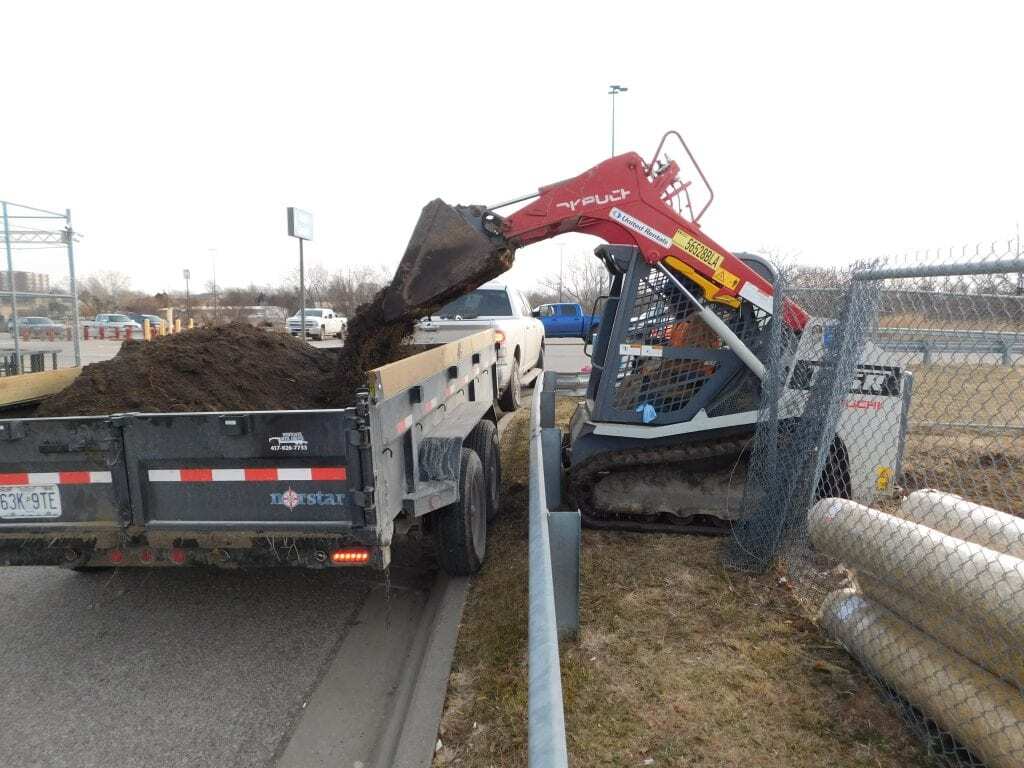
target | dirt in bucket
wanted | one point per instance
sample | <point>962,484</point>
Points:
<point>369,343</point>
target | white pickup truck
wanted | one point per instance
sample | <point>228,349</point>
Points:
<point>321,322</point>
<point>519,335</point>
<point>115,324</point>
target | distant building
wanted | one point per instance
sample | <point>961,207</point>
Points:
<point>30,282</point>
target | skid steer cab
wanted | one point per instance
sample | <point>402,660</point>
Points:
<point>662,441</point>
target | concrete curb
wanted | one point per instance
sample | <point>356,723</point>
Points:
<point>415,725</point>
<point>381,699</point>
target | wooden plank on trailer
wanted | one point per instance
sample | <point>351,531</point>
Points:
<point>29,387</point>
<point>393,378</point>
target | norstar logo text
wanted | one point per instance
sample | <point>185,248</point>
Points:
<point>292,499</point>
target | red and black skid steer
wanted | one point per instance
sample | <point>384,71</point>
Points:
<point>681,352</point>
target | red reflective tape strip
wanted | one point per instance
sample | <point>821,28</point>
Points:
<point>329,473</point>
<point>13,478</point>
<point>196,475</point>
<point>260,474</point>
<point>249,474</point>
<point>74,478</point>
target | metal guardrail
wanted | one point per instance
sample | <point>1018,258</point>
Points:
<point>553,582</point>
<point>937,341</point>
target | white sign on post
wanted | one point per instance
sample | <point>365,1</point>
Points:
<point>300,223</point>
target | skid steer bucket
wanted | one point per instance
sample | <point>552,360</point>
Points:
<point>449,254</point>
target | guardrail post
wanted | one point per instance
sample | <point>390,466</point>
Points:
<point>1005,345</point>
<point>927,350</point>
<point>566,545</point>
<point>551,452</point>
<point>547,399</point>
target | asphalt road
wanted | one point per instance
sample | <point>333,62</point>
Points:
<point>565,355</point>
<point>163,667</point>
<point>169,668</point>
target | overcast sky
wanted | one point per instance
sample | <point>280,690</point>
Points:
<point>831,132</point>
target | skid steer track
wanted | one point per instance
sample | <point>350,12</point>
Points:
<point>626,490</point>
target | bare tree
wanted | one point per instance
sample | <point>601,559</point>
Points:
<point>583,281</point>
<point>317,281</point>
<point>349,288</point>
<point>105,291</point>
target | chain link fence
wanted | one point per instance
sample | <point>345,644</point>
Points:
<point>886,484</point>
<point>38,294</point>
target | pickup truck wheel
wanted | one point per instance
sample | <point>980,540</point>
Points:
<point>460,529</point>
<point>484,441</point>
<point>512,397</point>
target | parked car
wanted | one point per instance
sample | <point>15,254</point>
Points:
<point>155,321</point>
<point>564,321</point>
<point>519,335</point>
<point>40,327</point>
<point>113,322</point>
<point>321,322</point>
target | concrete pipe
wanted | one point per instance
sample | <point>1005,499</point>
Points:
<point>927,564</point>
<point>956,516</point>
<point>987,647</point>
<point>985,714</point>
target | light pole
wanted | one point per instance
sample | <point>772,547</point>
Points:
<point>213,257</point>
<point>613,91</point>
<point>561,269</point>
<point>188,298</point>
<point>300,226</point>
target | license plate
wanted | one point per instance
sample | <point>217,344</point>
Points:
<point>29,501</point>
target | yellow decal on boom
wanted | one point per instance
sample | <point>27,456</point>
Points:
<point>709,289</point>
<point>726,278</point>
<point>694,247</point>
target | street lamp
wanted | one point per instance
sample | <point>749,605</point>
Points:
<point>561,269</point>
<point>613,91</point>
<point>213,259</point>
<point>188,300</point>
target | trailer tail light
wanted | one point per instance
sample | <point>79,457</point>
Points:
<point>352,556</point>
<point>499,337</point>
<point>178,556</point>
<point>116,556</point>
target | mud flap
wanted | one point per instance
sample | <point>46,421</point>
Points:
<point>449,254</point>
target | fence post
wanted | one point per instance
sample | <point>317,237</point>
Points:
<point>13,288</point>
<point>72,283</point>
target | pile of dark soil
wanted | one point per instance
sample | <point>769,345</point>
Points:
<point>229,368</point>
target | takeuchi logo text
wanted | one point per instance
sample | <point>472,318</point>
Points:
<point>292,499</point>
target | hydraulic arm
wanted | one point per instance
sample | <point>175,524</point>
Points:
<point>624,200</point>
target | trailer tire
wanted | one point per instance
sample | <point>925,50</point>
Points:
<point>512,397</point>
<point>460,529</point>
<point>484,441</point>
